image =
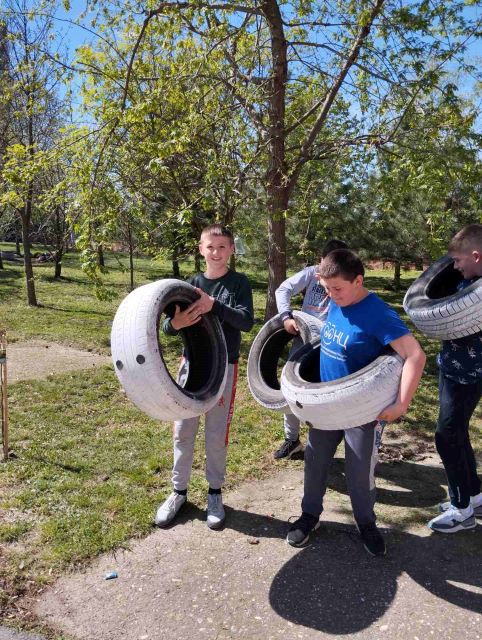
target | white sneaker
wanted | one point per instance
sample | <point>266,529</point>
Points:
<point>475,501</point>
<point>453,520</point>
<point>168,509</point>
<point>216,515</point>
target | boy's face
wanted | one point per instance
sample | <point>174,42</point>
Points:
<point>216,250</point>
<point>343,292</point>
<point>469,263</point>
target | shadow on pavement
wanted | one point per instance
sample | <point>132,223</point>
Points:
<point>334,586</point>
<point>419,485</point>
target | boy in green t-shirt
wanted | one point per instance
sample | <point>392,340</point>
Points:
<point>226,294</point>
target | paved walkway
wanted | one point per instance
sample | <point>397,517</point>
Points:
<point>246,583</point>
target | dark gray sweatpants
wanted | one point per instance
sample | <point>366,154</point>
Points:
<point>361,457</point>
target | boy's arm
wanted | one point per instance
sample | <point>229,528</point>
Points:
<point>290,287</point>
<point>287,289</point>
<point>240,317</point>
<point>414,361</point>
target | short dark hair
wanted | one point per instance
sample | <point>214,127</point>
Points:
<point>469,238</point>
<point>217,229</point>
<point>341,263</point>
<point>331,245</point>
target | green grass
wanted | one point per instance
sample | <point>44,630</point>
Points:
<point>90,468</point>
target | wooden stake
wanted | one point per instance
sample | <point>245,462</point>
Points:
<point>3,389</point>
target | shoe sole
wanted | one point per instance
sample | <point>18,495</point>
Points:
<point>305,540</point>
<point>460,527</point>
<point>217,525</point>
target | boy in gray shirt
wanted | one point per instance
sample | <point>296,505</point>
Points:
<point>315,302</point>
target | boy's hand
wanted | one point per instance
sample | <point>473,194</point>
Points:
<point>290,326</point>
<point>205,302</point>
<point>185,318</point>
<point>392,412</point>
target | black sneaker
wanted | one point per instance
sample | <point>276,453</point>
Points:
<point>288,448</point>
<point>300,530</point>
<point>372,539</point>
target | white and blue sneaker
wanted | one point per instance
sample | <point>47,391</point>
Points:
<point>453,520</point>
<point>216,514</point>
<point>475,501</point>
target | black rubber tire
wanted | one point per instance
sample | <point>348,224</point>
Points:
<point>138,359</point>
<point>265,354</point>
<point>344,403</point>
<point>437,309</point>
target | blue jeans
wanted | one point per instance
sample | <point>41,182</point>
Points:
<point>457,404</point>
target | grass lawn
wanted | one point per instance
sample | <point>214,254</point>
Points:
<point>90,468</point>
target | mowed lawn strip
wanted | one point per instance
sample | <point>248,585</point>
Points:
<point>90,468</point>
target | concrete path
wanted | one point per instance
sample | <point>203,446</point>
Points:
<point>39,358</point>
<point>246,583</point>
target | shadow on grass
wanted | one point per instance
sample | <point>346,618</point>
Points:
<point>88,312</point>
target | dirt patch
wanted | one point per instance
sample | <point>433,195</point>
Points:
<point>38,359</point>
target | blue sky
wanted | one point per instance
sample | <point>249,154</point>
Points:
<point>73,36</point>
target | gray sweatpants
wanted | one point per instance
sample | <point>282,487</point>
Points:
<point>291,423</point>
<point>361,457</point>
<point>216,427</point>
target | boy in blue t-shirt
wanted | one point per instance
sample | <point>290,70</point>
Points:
<point>358,328</point>
<point>460,389</point>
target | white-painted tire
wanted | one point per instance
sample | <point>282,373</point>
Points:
<point>344,403</point>
<point>138,359</point>
<point>439,311</point>
<point>265,353</point>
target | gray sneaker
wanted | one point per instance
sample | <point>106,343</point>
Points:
<point>445,506</point>
<point>453,520</point>
<point>169,509</point>
<point>216,515</point>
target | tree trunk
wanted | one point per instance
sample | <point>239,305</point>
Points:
<point>1,261</point>
<point>277,191</point>
<point>131,257</point>
<point>58,263</point>
<point>27,256</point>
<point>396,276</point>
<point>197,263</point>
<point>100,256</point>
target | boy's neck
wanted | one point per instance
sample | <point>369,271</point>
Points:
<point>213,274</point>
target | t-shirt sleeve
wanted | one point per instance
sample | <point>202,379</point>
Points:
<point>388,324</point>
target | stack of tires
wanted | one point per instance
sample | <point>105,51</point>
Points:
<point>350,401</point>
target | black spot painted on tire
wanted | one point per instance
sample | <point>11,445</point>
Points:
<point>298,404</point>
<point>119,364</point>
<point>140,359</point>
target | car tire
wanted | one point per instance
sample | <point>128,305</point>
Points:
<point>139,362</point>
<point>344,403</point>
<point>437,309</point>
<point>265,354</point>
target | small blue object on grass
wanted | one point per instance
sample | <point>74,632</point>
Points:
<point>111,575</point>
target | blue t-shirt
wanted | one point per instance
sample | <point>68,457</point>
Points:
<point>356,335</point>
<point>461,359</point>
